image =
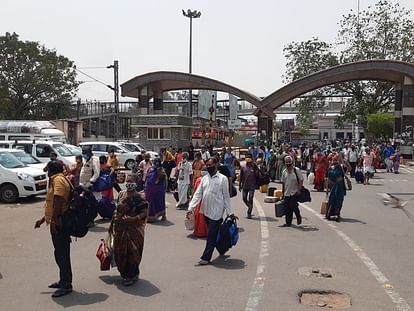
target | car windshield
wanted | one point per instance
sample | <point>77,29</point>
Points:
<point>26,158</point>
<point>62,150</point>
<point>8,160</point>
<point>75,150</point>
<point>130,147</point>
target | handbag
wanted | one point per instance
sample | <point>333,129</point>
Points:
<point>104,255</point>
<point>304,195</point>
<point>324,207</point>
<point>189,221</point>
<point>103,182</point>
<point>280,209</point>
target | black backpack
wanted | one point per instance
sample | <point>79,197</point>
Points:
<point>82,210</point>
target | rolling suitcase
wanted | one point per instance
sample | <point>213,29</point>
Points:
<point>280,210</point>
<point>359,177</point>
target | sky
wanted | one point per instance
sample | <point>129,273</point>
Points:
<point>239,42</point>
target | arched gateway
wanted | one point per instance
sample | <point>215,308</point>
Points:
<point>401,73</point>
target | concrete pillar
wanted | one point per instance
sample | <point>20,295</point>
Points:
<point>107,127</point>
<point>158,101</point>
<point>89,128</point>
<point>265,129</point>
<point>407,104</point>
<point>143,100</point>
<point>98,127</point>
<point>398,107</point>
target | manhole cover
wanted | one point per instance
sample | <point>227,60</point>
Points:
<point>325,299</point>
<point>316,272</point>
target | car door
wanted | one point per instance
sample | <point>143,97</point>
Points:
<point>42,152</point>
<point>99,149</point>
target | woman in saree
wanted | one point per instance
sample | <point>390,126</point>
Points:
<point>338,191</point>
<point>320,164</point>
<point>198,165</point>
<point>200,226</point>
<point>280,163</point>
<point>396,157</point>
<point>128,230</point>
<point>155,186</point>
<point>272,165</point>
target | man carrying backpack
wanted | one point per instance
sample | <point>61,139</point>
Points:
<point>57,201</point>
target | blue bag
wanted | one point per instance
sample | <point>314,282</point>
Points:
<point>103,182</point>
<point>227,236</point>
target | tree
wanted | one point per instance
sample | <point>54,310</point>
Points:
<point>35,82</point>
<point>380,124</point>
<point>385,31</point>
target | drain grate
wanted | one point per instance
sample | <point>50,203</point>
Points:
<point>325,299</point>
<point>316,272</point>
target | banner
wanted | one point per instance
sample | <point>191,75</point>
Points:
<point>233,107</point>
<point>207,104</point>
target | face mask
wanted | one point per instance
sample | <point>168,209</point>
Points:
<point>211,170</point>
<point>131,186</point>
<point>204,173</point>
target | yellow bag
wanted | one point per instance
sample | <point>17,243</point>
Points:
<point>263,188</point>
<point>278,194</point>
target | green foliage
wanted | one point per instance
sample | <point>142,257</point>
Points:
<point>384,31</point>
<point>380,124</point>
<point>35,82</point>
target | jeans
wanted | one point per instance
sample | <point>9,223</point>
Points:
<point>248,200</point>
<point>61,243</point>
<point>213,227</point>
<point>291,205</point>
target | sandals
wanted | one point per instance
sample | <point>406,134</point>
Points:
<point>61,292</point>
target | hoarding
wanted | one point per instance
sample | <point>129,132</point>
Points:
<point>233,107</point>
<point>207,104</point>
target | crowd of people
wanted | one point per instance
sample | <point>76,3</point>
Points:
<point>202,183</point>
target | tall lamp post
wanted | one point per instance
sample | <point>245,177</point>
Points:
<point>191,14</point>
<point>115,88</point>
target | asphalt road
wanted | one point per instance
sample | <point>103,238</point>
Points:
<point>369,255</point>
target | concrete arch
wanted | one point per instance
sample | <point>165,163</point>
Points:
<point>154,83</point>
<point>384,70</point>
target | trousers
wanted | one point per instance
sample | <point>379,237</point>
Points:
<point>61,243</point>
<point>248,196</point>
<point>292,206</point>
<point>213,227</point>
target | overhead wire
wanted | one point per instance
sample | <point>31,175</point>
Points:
<point>96,80</point>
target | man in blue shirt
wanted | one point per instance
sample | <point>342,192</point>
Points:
<point>388,152</point>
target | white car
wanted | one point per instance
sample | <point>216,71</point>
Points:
<point>74,149</point>
<point>125,157</point>
<point>140,148</point>
<point>18,180</point>
<point>26,158</point>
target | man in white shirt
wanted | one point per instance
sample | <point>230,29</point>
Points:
<point>90,171</point>
<point>185,174</point>
<point>214,194</point>
<point>292,182</point>
<point>205,155</point>
<point>145,165</point>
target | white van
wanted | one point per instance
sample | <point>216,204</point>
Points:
<point>18,180</point>
<point>42,149</point>
<point>26,158</point>
<point>139,148</point>
<point>125,156</point>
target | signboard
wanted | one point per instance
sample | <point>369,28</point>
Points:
<point>234,124</point>
<point>207,104</point>
<point>233,107</point>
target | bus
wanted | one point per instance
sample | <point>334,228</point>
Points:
<point>30,130</point>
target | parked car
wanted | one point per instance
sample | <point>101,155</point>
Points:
<point>26,158</point>
<point>74,149</point>
<point>125,156</point>
<point>41,149</point>
<point>140,148</point>
<point>19,180</point>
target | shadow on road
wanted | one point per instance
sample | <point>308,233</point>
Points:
<point>142,288</point>
<point>306,228</point>
<point>224,262</point>
<point>267,218</point>
<point>98,229</point>
<point>80,299</point>
<point>163,223</point>
<point>352,220</point>
<point>193,237</point>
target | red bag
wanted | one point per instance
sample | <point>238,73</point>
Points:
<point>104,255</point>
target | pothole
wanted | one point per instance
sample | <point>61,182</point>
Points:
<point>325,299</point>
<point>312,272</point>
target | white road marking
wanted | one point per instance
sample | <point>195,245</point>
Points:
<point>406,169</point>
<point>400,302</point>
<point>256,291</point>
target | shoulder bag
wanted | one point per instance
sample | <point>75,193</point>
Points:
<point>304,195</point>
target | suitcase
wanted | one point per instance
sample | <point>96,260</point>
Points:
<point>270,199</point>
<point>263,188</point>
<point>271,190</point>
<point>278,194</point>
<point>324,207</point>
<point>359,177</point>
<point>280,209</point>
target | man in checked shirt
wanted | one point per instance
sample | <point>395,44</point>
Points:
<point>214,194</point>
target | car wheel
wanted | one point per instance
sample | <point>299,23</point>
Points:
<point>129,164</point>
<point>9,194</point>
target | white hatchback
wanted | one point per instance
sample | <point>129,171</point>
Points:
<point>19,180</point>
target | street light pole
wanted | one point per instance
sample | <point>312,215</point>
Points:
<point>191,14</point>
<point>115,88</point>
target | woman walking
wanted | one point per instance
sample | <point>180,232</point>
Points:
<point>321,165</point>
<point>229,162</point>
<point>396,157</point>
<point>198,165</point>
<point>368,161</point>
<point>338,190</point>
<point>155,185</point>
<point>128,229</point>
<point>280,163</point>
<point>200,225</point>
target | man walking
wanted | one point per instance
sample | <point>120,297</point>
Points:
<point>292,182</point>
<point>214,194</point>
<point>248,179</point>
<point>90,171</point>
<point>185,174</point>
<point>57,200</point>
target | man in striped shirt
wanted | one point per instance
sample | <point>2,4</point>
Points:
<point>214,194</point>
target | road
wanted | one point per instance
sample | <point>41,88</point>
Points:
<point>369,255</point>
